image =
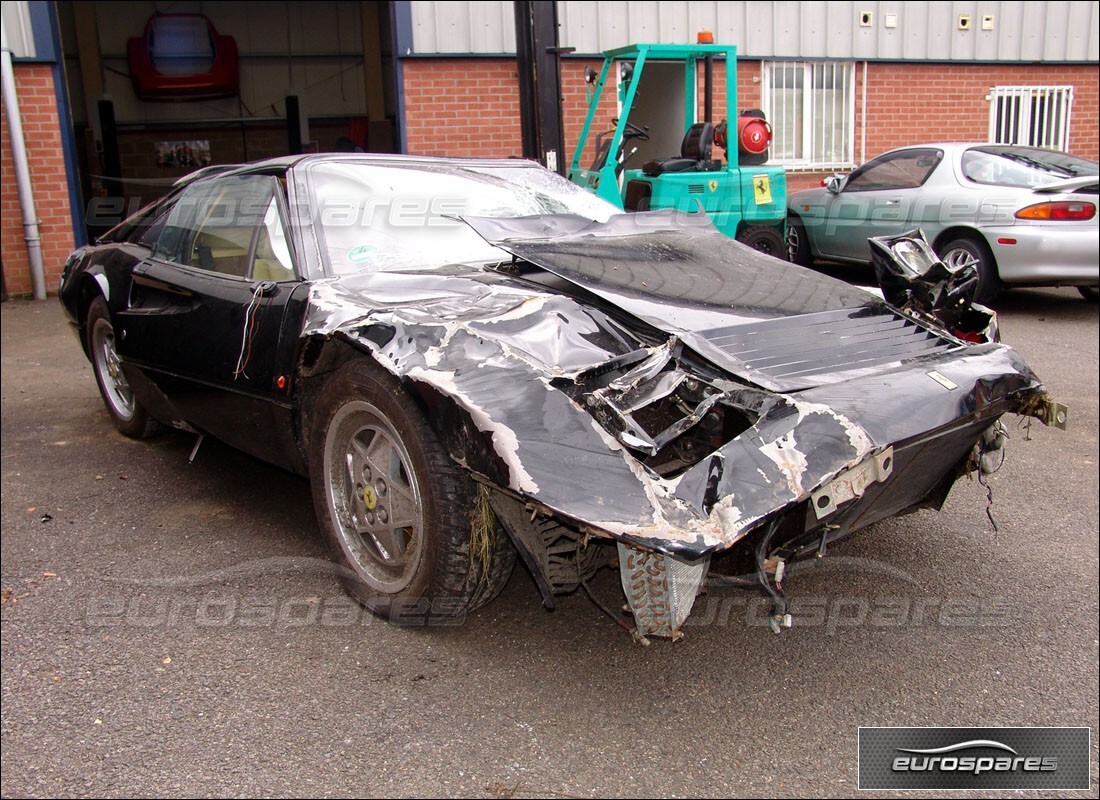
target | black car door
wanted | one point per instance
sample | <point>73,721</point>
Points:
<point>213,313</point>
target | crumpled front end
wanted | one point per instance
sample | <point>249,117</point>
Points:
<point>678,441</point>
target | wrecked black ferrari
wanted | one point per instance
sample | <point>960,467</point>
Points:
<point>473,359</point>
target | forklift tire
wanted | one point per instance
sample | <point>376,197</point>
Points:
<point>765,239</point>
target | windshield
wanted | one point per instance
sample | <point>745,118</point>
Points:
<point>1022,167</point>
<point>375,217</point>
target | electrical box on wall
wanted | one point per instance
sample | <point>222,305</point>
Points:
<point>964,22</point>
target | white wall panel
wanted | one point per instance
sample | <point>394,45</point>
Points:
<point>928,30</point>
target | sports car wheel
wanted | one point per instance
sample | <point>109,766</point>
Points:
<point>408,526</point>
<point>964,251</point>
<point>127,413</point>
<point>798,246</point>
<point>765,239</point>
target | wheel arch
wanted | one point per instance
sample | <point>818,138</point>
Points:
<point>990,283</point>
<point>321,355</point>
<point>963,232</point>
<point>91,286</point>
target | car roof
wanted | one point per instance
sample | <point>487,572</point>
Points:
<point>960,146</point>
<point>293,161</point>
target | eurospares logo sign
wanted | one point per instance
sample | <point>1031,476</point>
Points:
<point>974,758</point>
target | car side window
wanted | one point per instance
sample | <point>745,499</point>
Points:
<point>230,226</point>
<point>905,170</point>
<point>137,228</point>
<point>272,261</point>
<point>150,230</point>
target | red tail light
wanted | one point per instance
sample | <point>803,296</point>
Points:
<point>1059,210</point>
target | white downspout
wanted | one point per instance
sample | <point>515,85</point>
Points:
<point>863,119</point>
<point>22,171</point>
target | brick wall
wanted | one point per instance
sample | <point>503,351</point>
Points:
<point>462,107</point>
<point>917,103</point>
<point>470,107</point>
<point>42,132</point>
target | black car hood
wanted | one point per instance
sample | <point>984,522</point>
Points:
<point>779,325</point>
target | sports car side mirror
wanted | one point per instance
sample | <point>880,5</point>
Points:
<point>833,184</point>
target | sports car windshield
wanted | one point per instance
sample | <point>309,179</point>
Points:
<point>1022,167</point>
<point>378,217</point>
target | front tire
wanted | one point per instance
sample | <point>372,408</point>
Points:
<point>969,251</point>
<point>129,416</point>
<point>798,245</point>
<point>397,512</point>
<point>765,239</point>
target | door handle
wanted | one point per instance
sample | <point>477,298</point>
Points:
<point>145,278</point>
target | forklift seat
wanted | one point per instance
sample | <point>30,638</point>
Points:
<point>694,152</point>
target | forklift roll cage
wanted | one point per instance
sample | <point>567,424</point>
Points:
<point>739,198</point>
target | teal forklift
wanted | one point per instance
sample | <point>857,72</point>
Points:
<point>744,196</point>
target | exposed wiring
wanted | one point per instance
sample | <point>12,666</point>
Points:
<point>248,329</point>
<point>988,501</point>
<point>733,581</point>
<point>618,621</point>
<point>779,600</point>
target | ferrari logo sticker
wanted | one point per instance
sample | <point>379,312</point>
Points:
<point>761,189</point>
<point>370,499</point>
<point>713,186</point>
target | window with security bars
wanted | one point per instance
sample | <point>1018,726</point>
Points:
<point>1031,115</point>
<point>811,108</point>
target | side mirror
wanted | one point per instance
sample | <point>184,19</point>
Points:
<point>589,75</point>
<point>626,71</point>
<point>833,184</point>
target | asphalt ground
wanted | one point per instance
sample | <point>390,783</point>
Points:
<point>176,630</point>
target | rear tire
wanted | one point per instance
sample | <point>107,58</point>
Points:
<point>764,238</point>
<point>967,250</point>
<point>1090,293</point>
<point>129,416</point>
<point>397,512</point>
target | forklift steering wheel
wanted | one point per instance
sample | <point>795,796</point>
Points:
<point>633,131</point>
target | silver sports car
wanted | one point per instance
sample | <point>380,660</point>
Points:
<point>1019,215</point>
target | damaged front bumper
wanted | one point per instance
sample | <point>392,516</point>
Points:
<point>805,474</point>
